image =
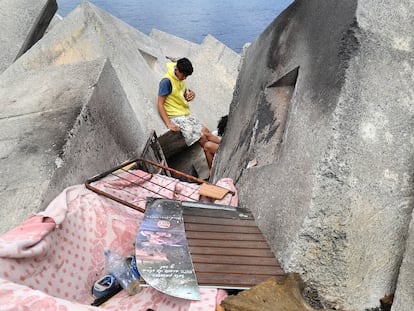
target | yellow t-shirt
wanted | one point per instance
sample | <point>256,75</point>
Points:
<point>175,104</point>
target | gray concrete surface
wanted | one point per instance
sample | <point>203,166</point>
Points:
<point>23,23</point>
<point>55,138</point>
<point>88,33</point>
<point>404,298</point>
<point>324,106</point>
<point>82,100</point>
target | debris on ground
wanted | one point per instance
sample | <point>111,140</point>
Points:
<point>282,293</point>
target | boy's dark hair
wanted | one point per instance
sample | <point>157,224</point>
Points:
<point>185,66</point>
<point>222,124</point>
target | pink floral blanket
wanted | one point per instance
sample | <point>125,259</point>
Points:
<point>51,260</point>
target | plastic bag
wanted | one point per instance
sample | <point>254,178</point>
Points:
<point>119,268</point>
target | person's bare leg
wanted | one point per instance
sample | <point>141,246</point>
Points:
<point>209,135</point>
<point>210,149</point>
<point>202,141</point>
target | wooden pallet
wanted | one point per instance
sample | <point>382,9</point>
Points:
<point>227,248</point>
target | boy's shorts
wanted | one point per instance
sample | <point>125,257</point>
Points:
<point>190,128</point>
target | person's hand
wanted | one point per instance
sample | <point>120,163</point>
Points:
<point>173,127</point>
<point>189,95</point>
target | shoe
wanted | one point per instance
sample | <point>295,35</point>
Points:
<point>105,285</point>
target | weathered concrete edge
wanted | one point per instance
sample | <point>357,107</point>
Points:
<point>103,136</point>
<point>40,26</point>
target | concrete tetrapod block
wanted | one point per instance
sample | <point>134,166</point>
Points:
<point>404,299</point>
<point>60,125</point>
<point>88,33</point>
<point>23,23</point>
<point>214,80</point>
<point>323,106</point>
<point>174,47</point>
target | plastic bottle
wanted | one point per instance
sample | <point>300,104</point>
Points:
<point>119,268</point>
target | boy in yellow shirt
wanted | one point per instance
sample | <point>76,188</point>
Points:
<point>173,107</point>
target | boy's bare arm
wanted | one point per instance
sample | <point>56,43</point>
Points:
<point>164,116</point>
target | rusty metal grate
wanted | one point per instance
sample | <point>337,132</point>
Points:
<point>130,174</point>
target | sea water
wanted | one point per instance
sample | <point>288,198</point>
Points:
<point>233,22</point>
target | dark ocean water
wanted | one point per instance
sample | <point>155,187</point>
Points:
<point>233,22</point>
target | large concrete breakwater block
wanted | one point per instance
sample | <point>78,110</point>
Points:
<point>23,23</point>
<point>320,143</point>
<point>404,299</point>
<point>69,109</point>
<point>55,137</point>
<point>88,33</point>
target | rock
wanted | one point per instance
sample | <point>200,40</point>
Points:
<point>283,293</point>
<point>24,23</point>
<point>52,145</point>
<point>323,102</point>
<point>404,299</point>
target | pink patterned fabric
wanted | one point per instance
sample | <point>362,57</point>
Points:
<point>51,261</point>
<point>14,296</point>
<point>27,240</point>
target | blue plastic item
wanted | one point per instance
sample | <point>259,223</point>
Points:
<point>105,285</point>
<point>118,266</point>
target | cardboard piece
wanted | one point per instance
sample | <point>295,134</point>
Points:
<point>212,191</point>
